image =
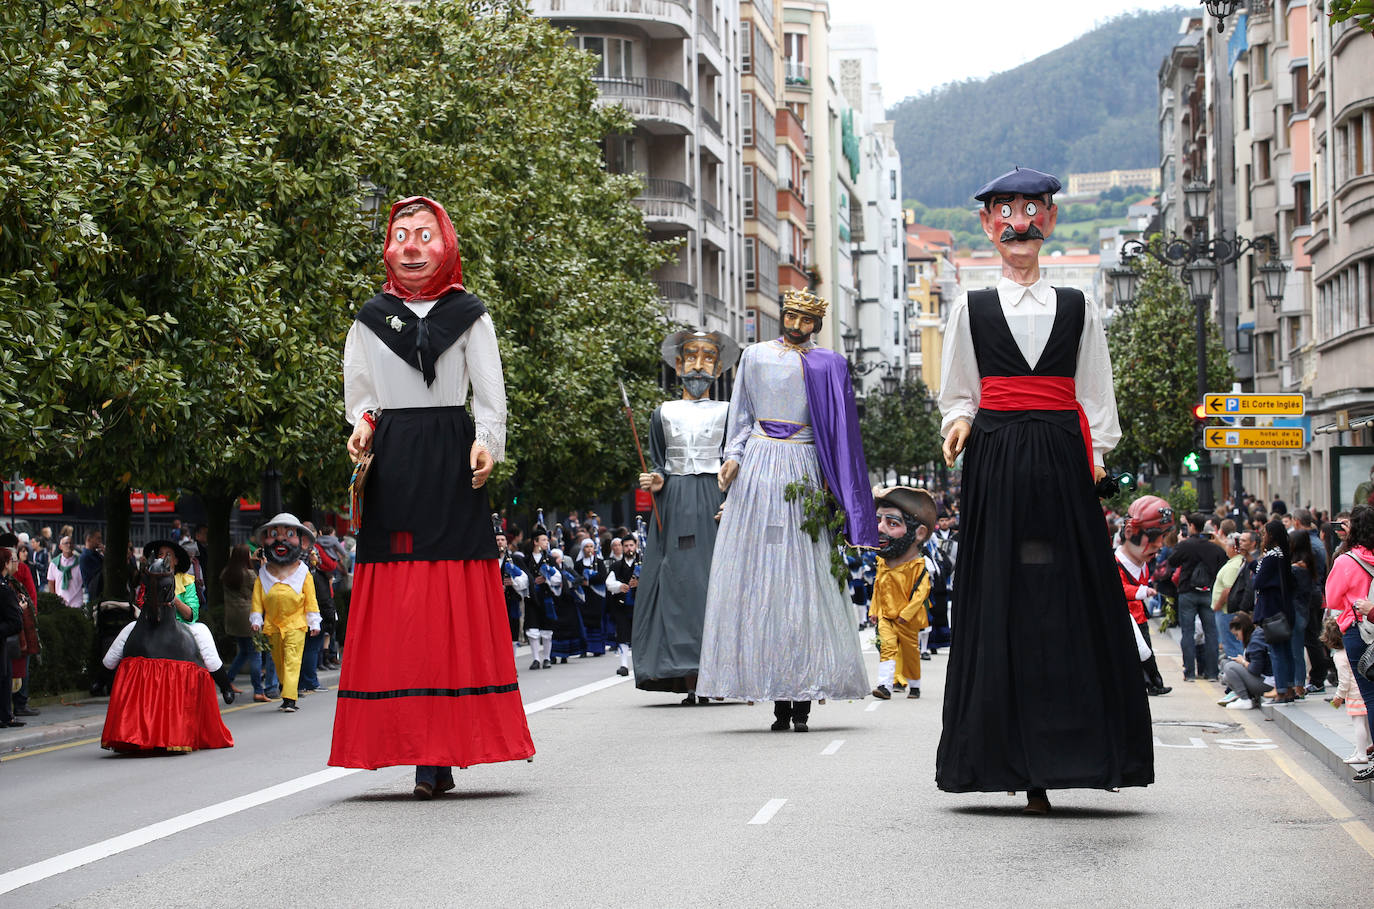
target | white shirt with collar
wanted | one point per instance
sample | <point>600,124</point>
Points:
<point>1030,313</point>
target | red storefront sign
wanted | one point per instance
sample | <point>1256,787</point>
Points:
<point>157,504</point>
<point>33,500</point>
<point>249,505</point>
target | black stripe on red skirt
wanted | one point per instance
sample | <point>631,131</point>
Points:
<point>428,692</point>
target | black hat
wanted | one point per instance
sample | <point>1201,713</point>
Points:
<point>1020,181</point>
<point>183,557</point>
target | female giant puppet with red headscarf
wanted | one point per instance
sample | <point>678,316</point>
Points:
<point>430,678</point>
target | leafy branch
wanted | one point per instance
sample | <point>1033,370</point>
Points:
<point>822,520</point>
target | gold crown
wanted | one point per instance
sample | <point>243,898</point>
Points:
<point>804,301</point>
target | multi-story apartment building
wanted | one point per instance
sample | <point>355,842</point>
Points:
<point>878,248</point>
<point>1335,347</point>
<point>679,67</point>
<point>1097,182</point>
<point>758,107</point>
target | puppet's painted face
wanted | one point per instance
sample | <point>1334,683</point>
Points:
<point>282,544</point>
<point>698,364</point>
<point>895,533</point>
<point>797,327</point>
<point>414,250</point>
<point>1019,225</point>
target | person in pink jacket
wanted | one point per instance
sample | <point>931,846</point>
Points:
<point>1347,593</point>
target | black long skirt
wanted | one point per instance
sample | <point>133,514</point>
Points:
<point>1043,688</point>
<point>419,504</point>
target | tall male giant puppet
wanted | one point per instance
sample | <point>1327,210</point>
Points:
<point>685,441</point>
<point>1043,689</point>
<point>778,625</point>
<point>430,676</point>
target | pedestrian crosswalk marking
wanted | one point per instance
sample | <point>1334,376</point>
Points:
<point>833,746</point>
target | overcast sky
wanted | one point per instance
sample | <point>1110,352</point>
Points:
<point>925,43</point>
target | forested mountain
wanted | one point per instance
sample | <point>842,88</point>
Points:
<point>1090,105</point>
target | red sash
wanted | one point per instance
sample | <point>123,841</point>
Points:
<point>1036,393</point>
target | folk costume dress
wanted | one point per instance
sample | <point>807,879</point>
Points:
<point>1043,687</point>
<point>163,696</point>
<point>430,674</point>
<point>779,627</point>
<point>685,442</point>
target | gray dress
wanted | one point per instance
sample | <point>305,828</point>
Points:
<point>685,440</point>
<point>778,627</point>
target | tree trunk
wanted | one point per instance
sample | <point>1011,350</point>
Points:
<point>116,571</point>
<point>219,508</point>
<point>300,502</point>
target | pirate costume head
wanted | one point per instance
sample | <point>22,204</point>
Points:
<point>896,535</point>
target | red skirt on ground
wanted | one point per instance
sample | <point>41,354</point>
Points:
<point>428,674</point>
<point>169,704</point>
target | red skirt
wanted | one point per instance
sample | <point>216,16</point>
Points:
<point>428,676</point>
<point>168,704</point>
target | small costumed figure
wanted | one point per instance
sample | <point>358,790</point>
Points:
<point>166,671</point>
<point>1043,687</point>
<point>686,438</point>
<point>1148,519</point>
<point>284,602</point>
<point>901,590</point>
<point>430,675</point>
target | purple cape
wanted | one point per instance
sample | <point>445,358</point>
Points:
<point>835,424</point>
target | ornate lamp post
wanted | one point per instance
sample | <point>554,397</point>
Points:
<point>1199,258</point>
<point>1220,9</point>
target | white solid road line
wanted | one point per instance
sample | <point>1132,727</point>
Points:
<point>767,811</point>
<point>833,747</point>
<point>60,864</point>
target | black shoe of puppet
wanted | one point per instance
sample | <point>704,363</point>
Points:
<point>226,688</point>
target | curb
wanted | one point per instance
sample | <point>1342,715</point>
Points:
<point>52,734</point>
<point>1326,745</point>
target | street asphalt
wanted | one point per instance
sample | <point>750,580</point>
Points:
<point>634,800</point>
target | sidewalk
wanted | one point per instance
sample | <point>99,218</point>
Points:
<point>1314,724</point>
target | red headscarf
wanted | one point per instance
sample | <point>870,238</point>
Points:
<point>450,273</point>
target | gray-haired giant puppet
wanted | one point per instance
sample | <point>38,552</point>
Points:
<point>166,672</point>
<point>686,437</point>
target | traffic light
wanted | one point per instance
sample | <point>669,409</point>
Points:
<point>1200,412</point>
<point>1190,462</point>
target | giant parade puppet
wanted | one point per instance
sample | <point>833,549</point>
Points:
<point>685,441</point>
<point>1043,689</point>
<point>430,675</point>
<point>779,626</point>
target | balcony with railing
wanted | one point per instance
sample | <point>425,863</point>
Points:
<point>711,122</point>
<point>707,31</point>
<point>676,292</point>
<point>713,225</point>
<point>660,18</point>
<point>795,72</point>
<point>789,129</point>
<point>659,105</point>
<point>791,205</point>
<point>669,204</point>
<point>714,305</point>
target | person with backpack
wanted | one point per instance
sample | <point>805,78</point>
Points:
<point>1195,562</point>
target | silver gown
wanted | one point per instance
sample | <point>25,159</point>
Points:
<point>778,625</point>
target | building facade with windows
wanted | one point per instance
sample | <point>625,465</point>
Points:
<point>878,250</point>
<point>677,67</point>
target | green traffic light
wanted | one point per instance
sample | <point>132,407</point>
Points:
<point>1190,462</point>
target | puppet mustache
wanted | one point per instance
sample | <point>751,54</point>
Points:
<point>1030,233</point>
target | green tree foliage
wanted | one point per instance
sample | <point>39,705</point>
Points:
<point>182,246</point>
<point>1088,106</point>
<point>1154,364</point>
<point>1361,12</point>
<point>898,433</point>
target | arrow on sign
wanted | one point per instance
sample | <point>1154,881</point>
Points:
<point>1216,437</point>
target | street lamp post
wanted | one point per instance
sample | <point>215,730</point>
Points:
<point>1199,258</point>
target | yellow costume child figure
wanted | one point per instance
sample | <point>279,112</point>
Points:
<point>284,601</point>
<point>901,590</point>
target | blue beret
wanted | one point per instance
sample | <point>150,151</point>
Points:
<point>1020,181</point>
